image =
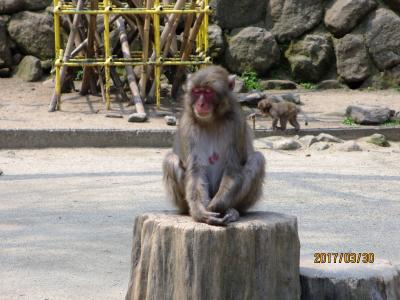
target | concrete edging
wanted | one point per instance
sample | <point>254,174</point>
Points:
<point>70,138</point>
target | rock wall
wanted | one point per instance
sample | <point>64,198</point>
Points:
<point>354,41</point>
<point>26,30</point>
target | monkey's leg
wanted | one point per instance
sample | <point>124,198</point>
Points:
<point>294,123</point>
<point>283,122</point>
<point>174,176</point>
<point>274,123</point>
<point>253,174</point>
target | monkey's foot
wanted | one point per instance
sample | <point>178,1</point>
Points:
<point>231,215</point>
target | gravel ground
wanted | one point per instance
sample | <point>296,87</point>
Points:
<point>66,215</point>
<point>25,104</point>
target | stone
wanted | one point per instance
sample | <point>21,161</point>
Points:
<point>29,69</point>
<point>383,38</point>
<point>377,139</point>
<point>240,87</point>
<point>329,84</point>
<point>251,48</point>
<point>231,14</point>
<point>349,146</point>
<point>369,115</point>
<point>352,59</point>
<point>278,84</point>
<point>344,15</point>
<point>393,4</point>
<point>325,137</point>
<point>46,65</point>
<point>308,140</point>
<point>290,97</point>
<point>289,19</point>
<point>5,51</point>
<point>38,42</point>
<point>216,41</point>
<point>250,99</point>
<point>320,146</point>
<point>37,4</point>
<point>5,72</point>
<point>170,120</point>
<point>263,143</point>
<point>174,257</point>
<point>11,6</point>
<point>286,144</point>
<point>137,117</point>
<point>310,58</point>
<point>386,79</point>
<point>346,281</point>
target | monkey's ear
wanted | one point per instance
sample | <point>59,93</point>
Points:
<point>231,81</point>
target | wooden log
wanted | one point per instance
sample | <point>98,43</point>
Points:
<point>89,76</point>
<point>68,49</point>
<point>185,55</point>
<point>145,47</point>
<point>174,257</point>
<point>136,99</point>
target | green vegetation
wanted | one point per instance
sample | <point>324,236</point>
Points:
<point>251,81</point>
<point>349,121</point>
<point>307,85</point>
<point>79,75</point>
<point>392,123</point>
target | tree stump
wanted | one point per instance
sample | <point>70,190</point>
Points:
<point>174,257</point>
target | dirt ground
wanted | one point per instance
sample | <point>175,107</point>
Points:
<point>24,105</point>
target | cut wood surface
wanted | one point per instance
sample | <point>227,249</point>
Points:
<point>174,257</point>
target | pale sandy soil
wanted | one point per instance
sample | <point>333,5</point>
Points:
<point>24,105</point>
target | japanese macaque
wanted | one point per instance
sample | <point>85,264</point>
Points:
<point>213,172</point>
<point>281,111</point>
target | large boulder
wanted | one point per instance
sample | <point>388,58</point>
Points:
<point>310,58</point>
<point>174,257</point>
<point>251,48</point>
<point>37,4</point>
<point>29,69</point>
<point>216,41</point>
<point>11,6</point>
<point>289,19</point>
<point>393,4</point>
<point>383,38</point>
<point>38,42</point>
<point>344,15</point>
<point>231,14</point>
<point>349,281</point>
<point>5,52</point>
<point>369,115</point>
<point>352,59</point>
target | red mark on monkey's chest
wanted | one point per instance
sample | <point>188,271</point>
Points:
<point>213,158</point>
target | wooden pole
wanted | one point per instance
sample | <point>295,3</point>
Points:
<point>136,99</point>
<point>56,98</point>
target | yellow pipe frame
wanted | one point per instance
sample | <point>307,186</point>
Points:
<point>106,9</point>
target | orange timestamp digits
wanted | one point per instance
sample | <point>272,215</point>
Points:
<point>344,257</point>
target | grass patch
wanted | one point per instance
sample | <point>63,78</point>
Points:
<point>79,75</point>
<point>251,80</point>
<point>391,123</point>
<point>308,85</point>
<point>349,121</point>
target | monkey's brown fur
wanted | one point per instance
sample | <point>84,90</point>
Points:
<point>213,172</point>
<point>280,111</point>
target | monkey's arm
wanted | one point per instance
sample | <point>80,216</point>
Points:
<point>197,195</point>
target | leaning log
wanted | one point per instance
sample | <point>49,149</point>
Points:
<point>174,257</point>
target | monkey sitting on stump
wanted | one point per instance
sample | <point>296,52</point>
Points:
<point>213,172</point>
<point>282,111</point>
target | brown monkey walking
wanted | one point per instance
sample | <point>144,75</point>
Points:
<point>281,111</point>
<point>213,172</point>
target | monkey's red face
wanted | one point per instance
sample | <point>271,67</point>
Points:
<point>203,101</point>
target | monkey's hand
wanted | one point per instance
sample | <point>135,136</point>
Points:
<point>200,214</point>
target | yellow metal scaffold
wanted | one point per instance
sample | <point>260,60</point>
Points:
<point>106,8</point>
